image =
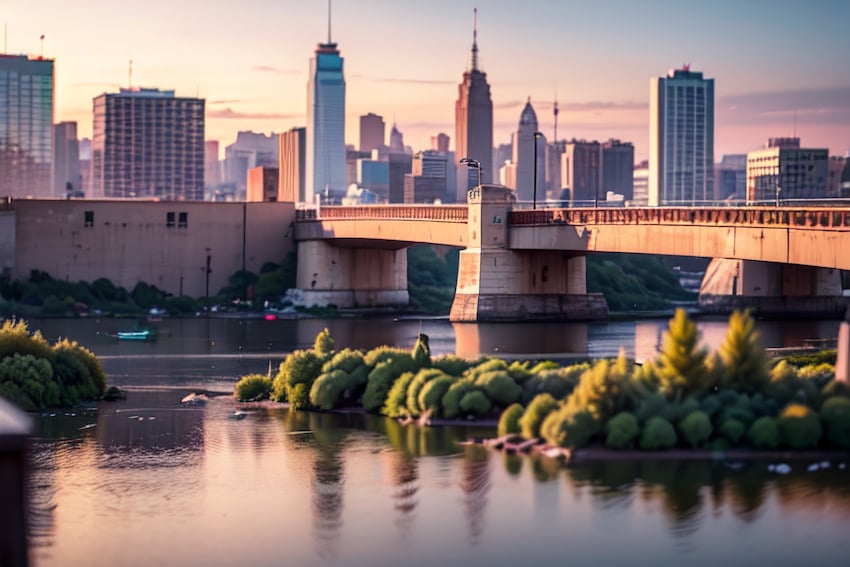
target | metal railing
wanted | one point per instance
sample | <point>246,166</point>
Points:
<point>446,213</point>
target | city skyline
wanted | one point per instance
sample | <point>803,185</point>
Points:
<point>777,65</point>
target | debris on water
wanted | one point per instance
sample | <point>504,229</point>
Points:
<point>813,467</point>
<point>89,426</point>
<point>195,399</point>
<point>783,468</point>
<point>238,415</point>
<point>825,464</point>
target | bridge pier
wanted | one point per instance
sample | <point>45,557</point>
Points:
<point>498,284</point>
<point>769,288</point>
<point>350,277</point>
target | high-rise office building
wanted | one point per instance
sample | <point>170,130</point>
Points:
<point>67,180</point>
<point>582,171</point>
<point>326,173</point>
<point>618,166</point>
<point>26,126</point>
<point>784,171</point>
<point>148,143</point>
<point>250,150</point>
<point>681,138</point>
<point>372,132</point>
<point>427,181</point>
<point>212,168</point>
<point>440,143</point>
<point>473,123</point>
<point>730,178</point>
<point>640,196</point>
<point>523,157</point>
<point>292,166</point>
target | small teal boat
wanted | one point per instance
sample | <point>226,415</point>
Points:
<point>139,335</point>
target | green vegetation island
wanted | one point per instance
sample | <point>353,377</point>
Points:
<point>733,399</point>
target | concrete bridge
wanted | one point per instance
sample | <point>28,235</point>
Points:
<point>520,264</point>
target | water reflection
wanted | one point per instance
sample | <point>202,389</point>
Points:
<point>487,339</point>
<point>475,484</point>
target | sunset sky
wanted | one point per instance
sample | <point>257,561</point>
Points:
<point>772,61</point>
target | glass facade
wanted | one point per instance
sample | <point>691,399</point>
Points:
<point>326,173</point>
<point>26,126</point>
<point>148,143</point>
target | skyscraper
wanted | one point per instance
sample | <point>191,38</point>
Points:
<point>618,166</point>
<point>372,132</point>
<point>148,143</point>
<point>26,126</point>
<point>582,171</point>
<point>326,174</point>
<point>67,180</point>
<point>292,165</point>
<point>473,122</point>
<point>523,157</point>
<point>681,138</point>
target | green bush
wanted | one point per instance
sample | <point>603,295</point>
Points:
<point>743,357</point>
<point>451,364</point>
<point>824,356</point>
<point>509,420</point>
<point>422,377</point>
<point>799,427</point>
<point>299,367</point>
<point>836,388</point>
<point>381,354</point>
<point>764,433</point>
<point>421,352</point>
<point>657,434</point>
<point>489,365</point>
<point>298,396</point>
<point>93,375</point>
<point>396,403</point>
<point>819,375</point>
<point>346,359</point>
<point>381,379</point>
<point>453,396</point>
<point>558,383</point>
<point>475,403</point>
<point>835,413</point>
<point>499,387</point>
<point>680,366</point>
<point>675,412</point>
<point>621,431</point>
<point>431,395</point>
<point>252,388</point>
<point>519,371</point>
<point>327,389</point>
<point>33,377</point>
<point>535,413</point>
<point>15,338</point>
<point>733,430</point>
<point>696,428</point>
<point>568,427</point>
<point>324,343</point>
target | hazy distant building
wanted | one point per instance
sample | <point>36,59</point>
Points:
<point>681,138</point>
<point>326,174</point>
<point>428,179</point>
<point>834,171</point>
<point>292,165</point>
<point>67,180</point>
<point>554,182</point>
<point>262,185</point>
<point>440,143</point>
<point>784,171</point>
<point>399,165</point>
<point>730,178</point>
<point>250,150</point>
<point>148,143</point>
<point>618,166</point>
<point>26,126</point>
<point>581,168</point>
<point>523,157</point>
<point>473,124</point>
<point>375,176</point>
<point>640,197</point>
<point>396,140</point>
<point>844,187</point>
<point>212,165</point>
<point>85,166</point>
<point>372,132</point>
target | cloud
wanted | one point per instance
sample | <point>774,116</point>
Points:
<point>587,106</point>
<point>825,106</point>
<point>270,69</point>
<point>225,101</point>
<point>403,80</point>
<point>230,114</point>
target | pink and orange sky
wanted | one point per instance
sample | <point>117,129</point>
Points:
<point>777,64</point>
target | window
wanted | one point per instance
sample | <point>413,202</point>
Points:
<point>169,219</point>
<point>89,219</point>
<point>183,220</point>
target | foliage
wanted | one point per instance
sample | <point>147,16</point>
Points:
<point>733,430</point>
<point>540,407</point>
<point>381,379</point>
<point>327,389</point>
<point>799,427</point>
<point>569,427</point>
<point>835,413</point>
<point>347,360</point>
<point>382,353</point>
<point>15,338</point>
<point>421,353</point>
<point>821,357</point>
<point>252,388</point>
<point>299,367</point>
<point>657,434</point>
<point>499,387</point>
<point>475,403</point>
<point>451,364</point>
<point>621,431</point>
<point>696,428</point>
<point>30,381</point>
<point>488,365</point>
<point>509,420</point>
<point>836,388</point>
<point>819,375</point>
<point>422,377</point>
<point>238,285</point>
<point>764,433</point>
<point>78,371</point>
<point>324,344</point>
<point>431,395</point>
<point>633,281</point>
<point>453,396</point>
<point>298,396</point>
<point>558,383</point>
<point>431,278</point>
<point>396,402</point>
<point>743,358</point>
<point>681,363</point>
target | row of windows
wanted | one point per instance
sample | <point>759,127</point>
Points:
<point>182,219</point>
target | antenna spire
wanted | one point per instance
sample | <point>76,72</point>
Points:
<point>555,112</point>
<point>329,22</point>
<point>475,39</point>
<point>130,75</point>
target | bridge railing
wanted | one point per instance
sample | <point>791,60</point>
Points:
<point>447,213</point>
<point>826,217</point>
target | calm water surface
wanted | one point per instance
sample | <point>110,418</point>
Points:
<point>148,481</point>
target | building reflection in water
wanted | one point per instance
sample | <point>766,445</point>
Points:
<point>475,484</point>
<point>402,471</point>
<point>481,339</point>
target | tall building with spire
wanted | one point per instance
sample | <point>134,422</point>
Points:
<point>473,123</point>
<point>523,156</point>
<point>325,161</point>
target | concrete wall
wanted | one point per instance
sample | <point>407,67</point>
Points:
<point>132,241</point>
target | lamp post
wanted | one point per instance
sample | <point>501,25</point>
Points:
<point>473,163</point>
<point>537,135</point>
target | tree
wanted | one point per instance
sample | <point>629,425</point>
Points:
<point>743,357</point>
<point>509,420</point>
<point>799,427</point>
<point>621,431</point>
<point>658,434</point>
<point>696,428</point>
<point>252,388</point>
<point>535,413</point>
<point>324,344</point>
<point>680,365</point>
<point>764,433</point>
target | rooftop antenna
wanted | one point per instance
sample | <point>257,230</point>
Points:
<point>329,22</point>
<point>475,39</point>
<point>795,122</point>
<point>5,37</point>
<point>555,112</point>
<point>42,47</point>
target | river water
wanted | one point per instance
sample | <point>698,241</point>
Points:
<point>148,481</point>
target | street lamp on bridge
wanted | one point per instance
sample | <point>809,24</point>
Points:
<point>537,136</point>
<point>473,163</point>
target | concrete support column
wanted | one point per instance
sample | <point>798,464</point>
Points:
<point>771,289</point>
<point>842,359</point>
<point>350,277</point>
